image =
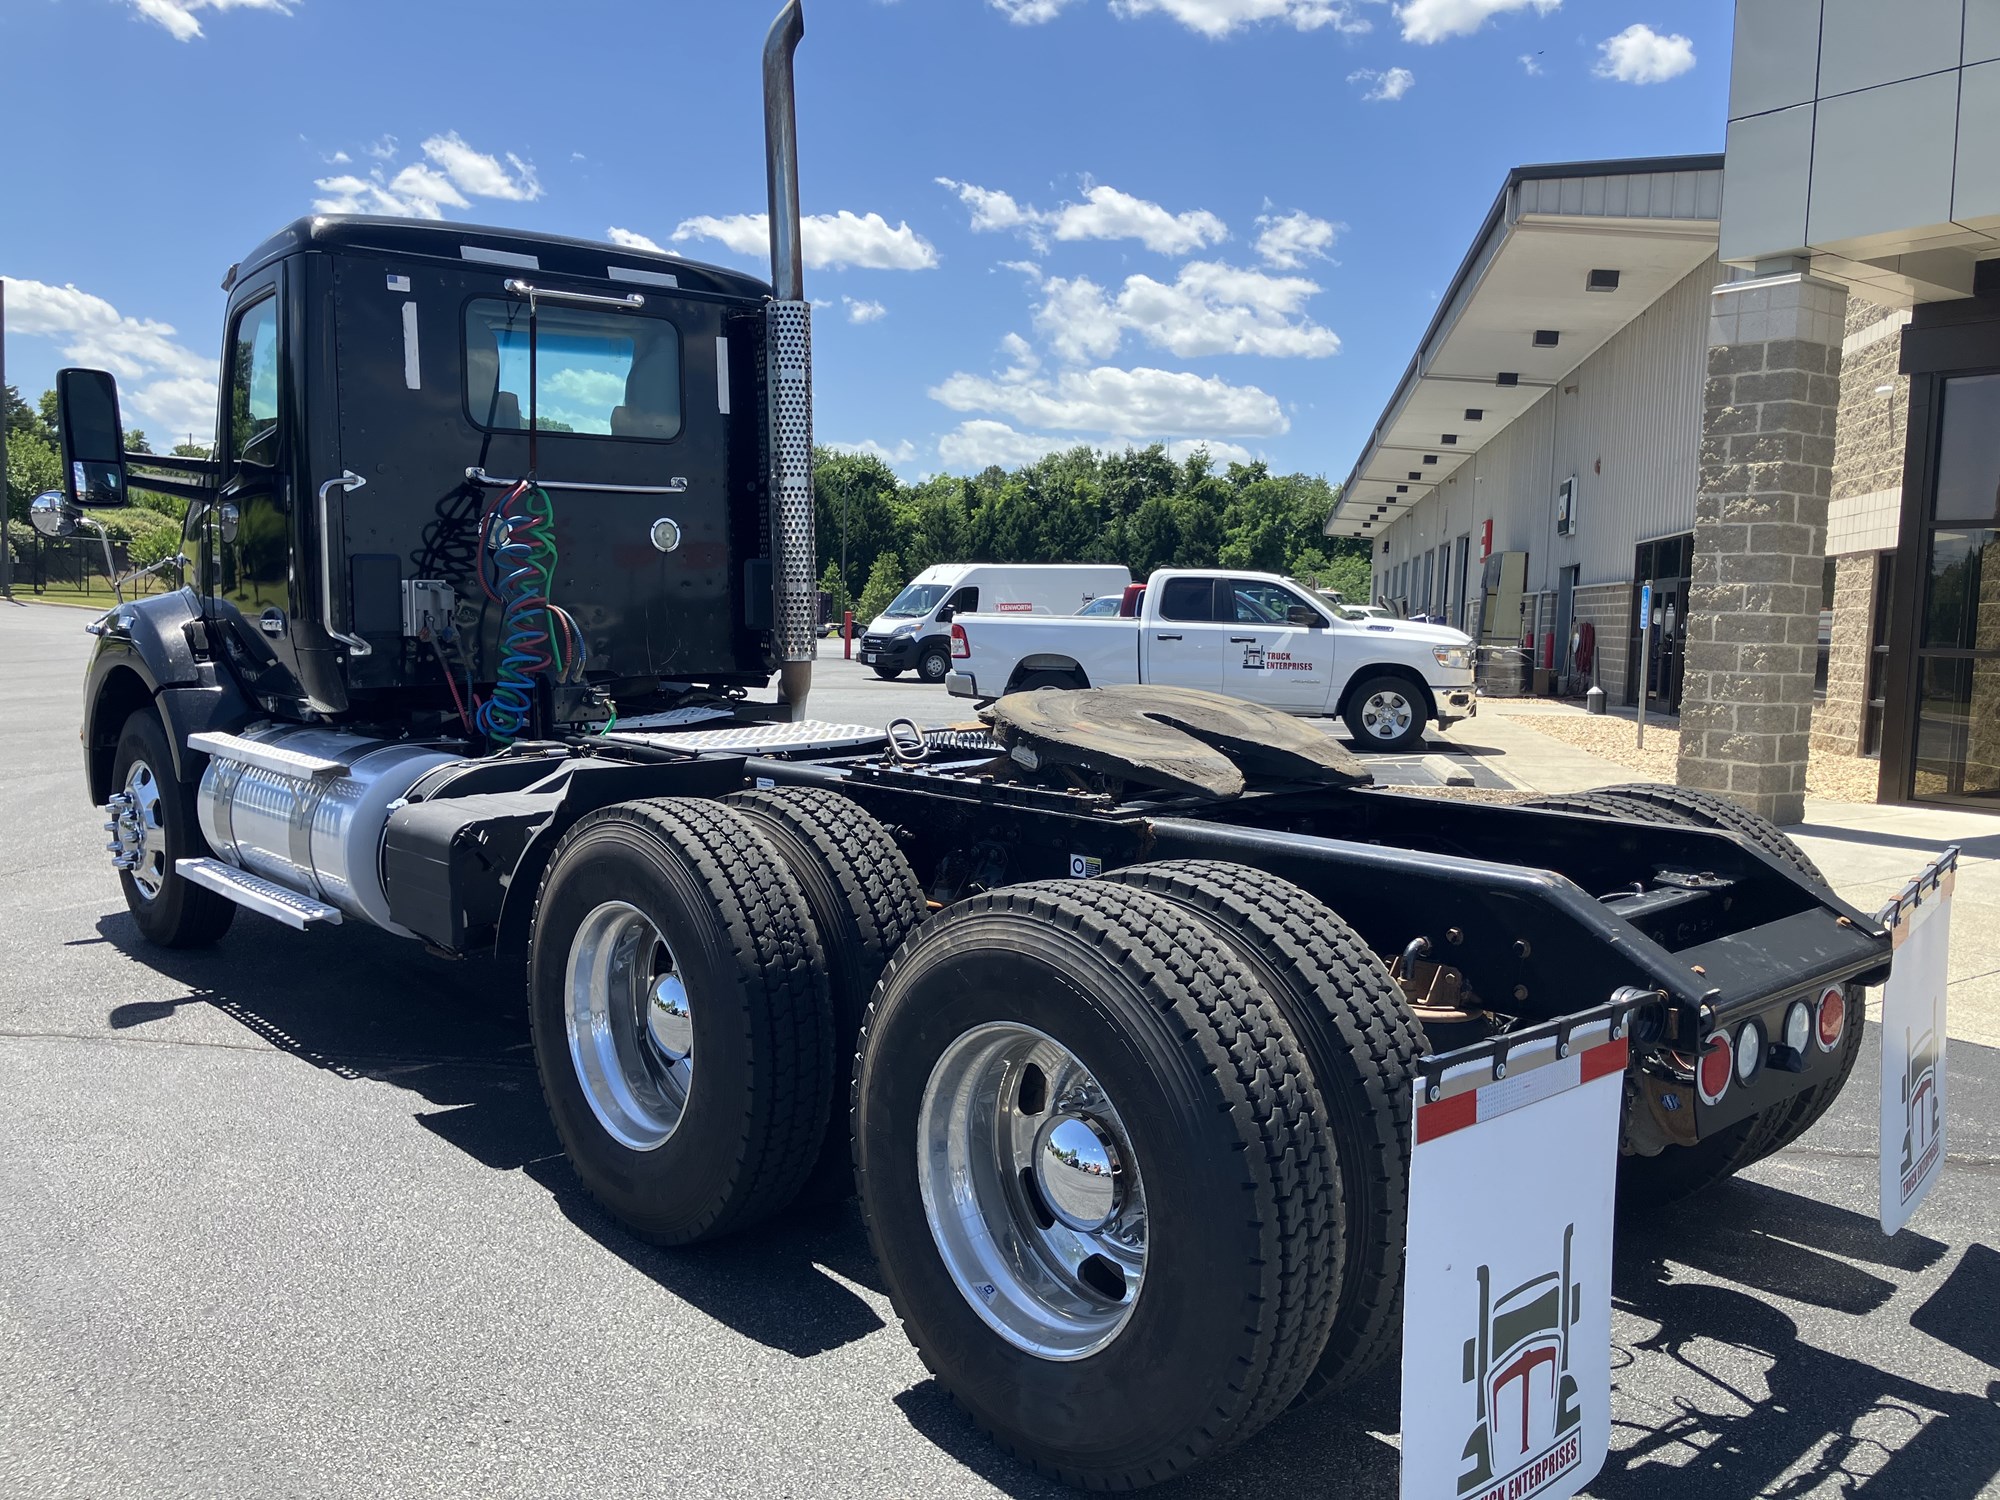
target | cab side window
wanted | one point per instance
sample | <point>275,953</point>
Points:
<point>1188,599</point>
<point>965,601</point>
<point>253,384</point>
<point>1258,603</point>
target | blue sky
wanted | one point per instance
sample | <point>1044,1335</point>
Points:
<point>1035,222</point>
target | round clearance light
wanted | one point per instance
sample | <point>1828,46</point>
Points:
<point>1711,1074</point>
<point>1798,1027</point>
<point>1832,1017</point>
<point>666,534</point>
<point>1749,1051</point>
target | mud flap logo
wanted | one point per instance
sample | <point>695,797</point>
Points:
<point>1923,1125</point>
<point>1529,1428</point>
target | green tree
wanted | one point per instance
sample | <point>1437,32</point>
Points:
<point>885,582</point>
<point>32,466</point>
<point>839,601</point>
<point>854,495</point>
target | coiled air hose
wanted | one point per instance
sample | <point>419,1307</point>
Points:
<point>536,636</point>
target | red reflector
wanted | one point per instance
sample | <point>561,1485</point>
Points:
<point>1832,1018</point>
<point>960,646</point>
<point>1713,1072</point>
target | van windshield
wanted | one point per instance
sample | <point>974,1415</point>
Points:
<point>917,599</point>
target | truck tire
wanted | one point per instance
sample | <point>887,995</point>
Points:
<point>1166,1086</point>
<point>1681,1171</point>
<point>1362,1042</point>
<point>163,828</point>
<point>1386,714</point>
<point>864,899</point>
<point>1655,802</point>
<point>677,998</point>
<point>934,665</point>
<point>887,674</point>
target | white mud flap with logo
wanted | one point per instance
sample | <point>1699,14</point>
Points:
<point>1913,1034</point>
<point>1507,1299</point>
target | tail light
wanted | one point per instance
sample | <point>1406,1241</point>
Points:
<point>960,646</point>
<point>1832,1017</point>
<point>1717,1066</point>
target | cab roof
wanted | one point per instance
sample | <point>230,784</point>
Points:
<point>482,244</point>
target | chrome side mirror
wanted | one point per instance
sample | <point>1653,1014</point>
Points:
<point>52,515</point>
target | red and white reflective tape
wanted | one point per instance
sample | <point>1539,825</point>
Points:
<point>1491,1100</point>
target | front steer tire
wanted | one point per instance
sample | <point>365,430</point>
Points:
<point>1239,1193</point>
<point>173,913</point>
<point>1362,1043</point>
<point>739,937</point>
<point>864,899</point>
<point>934,665</point>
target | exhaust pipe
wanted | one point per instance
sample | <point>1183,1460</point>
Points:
<point>788,376</point>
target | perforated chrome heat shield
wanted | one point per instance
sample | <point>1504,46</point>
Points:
<point>788,382</point>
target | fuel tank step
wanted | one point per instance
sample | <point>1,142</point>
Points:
<point>255,893</point>
<point>266,757</point>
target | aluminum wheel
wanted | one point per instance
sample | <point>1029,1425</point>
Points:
<point>1032,1191</point>
<point>631,1025</point>
<point>138,836</point>
<point>1387,714</point>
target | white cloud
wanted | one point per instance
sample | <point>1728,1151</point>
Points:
<point>1027,268</point>
<point>861,310</point>
<point>482,175</point>
<point>631,239</point>
<point>1029,12</point>
<point>1209,308</point>
<point>904,452</point>
<point>168,387</point>
<point>1437,20</point>
<point>454,175</point>
<point>1019,350</point>
<point>1390,84</point>
<point>180,21</point>
<point>840,239</point>
<point>339,159</point>
<point>1639,54</point>
<point>1142,402</point>
<point>981,442</point>
<point>1107,214</point>
<point>1104,214</point>
<point>1530,65</point>
<point>1289,240</point>
<point>1218,18</point>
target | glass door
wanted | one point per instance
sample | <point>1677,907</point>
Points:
<point>1955,751</point>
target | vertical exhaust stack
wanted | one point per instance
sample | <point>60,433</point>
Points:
<point>788,376</point>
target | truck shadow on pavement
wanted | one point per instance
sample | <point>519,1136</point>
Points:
<point>455,1035</point>
<point>1717,1394</point>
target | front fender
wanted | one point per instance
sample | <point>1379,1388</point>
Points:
<point>151,652</point>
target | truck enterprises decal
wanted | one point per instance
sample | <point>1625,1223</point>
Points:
<point>1507,1310</point>
<point>1257,659</point>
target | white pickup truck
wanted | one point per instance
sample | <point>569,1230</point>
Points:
<point>1250,635</point>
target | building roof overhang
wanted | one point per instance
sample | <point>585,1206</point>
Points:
<point>1528,276</point>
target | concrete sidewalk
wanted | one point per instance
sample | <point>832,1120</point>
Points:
<point>1868,851</point>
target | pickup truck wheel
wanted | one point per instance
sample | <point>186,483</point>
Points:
<point>1047,679</point>
<point>1362,1043</point>
<point>1059,1085</point>
<point>1385,714</point>
<point>864,899</point>
<point>888,674</point>
<point>679,1010</point>
<point>153,824</point>
<point>935,664</point>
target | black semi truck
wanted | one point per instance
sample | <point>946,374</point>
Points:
<point>1112,1018</point>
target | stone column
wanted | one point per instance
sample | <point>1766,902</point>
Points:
<point>1760,539</point>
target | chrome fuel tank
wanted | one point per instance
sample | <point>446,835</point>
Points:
<point>306,807</point>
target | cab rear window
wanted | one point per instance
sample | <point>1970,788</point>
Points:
<point>607,374</point>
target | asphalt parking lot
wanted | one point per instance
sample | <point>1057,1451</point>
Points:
<point>286,1218</point>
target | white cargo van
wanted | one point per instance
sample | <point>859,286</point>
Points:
<point>915,630</point>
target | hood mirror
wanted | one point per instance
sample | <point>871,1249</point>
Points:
<point>52,515</point>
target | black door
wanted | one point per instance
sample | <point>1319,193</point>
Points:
<point>1666,563</point>
<point>248,538</point>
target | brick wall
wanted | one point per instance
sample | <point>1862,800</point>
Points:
<point>1608,608</point>
<point>1837,725</point>
<point>1868,444</point>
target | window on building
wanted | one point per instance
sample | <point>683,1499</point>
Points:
<point>1878,658</point>
<point>1825,649</point>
